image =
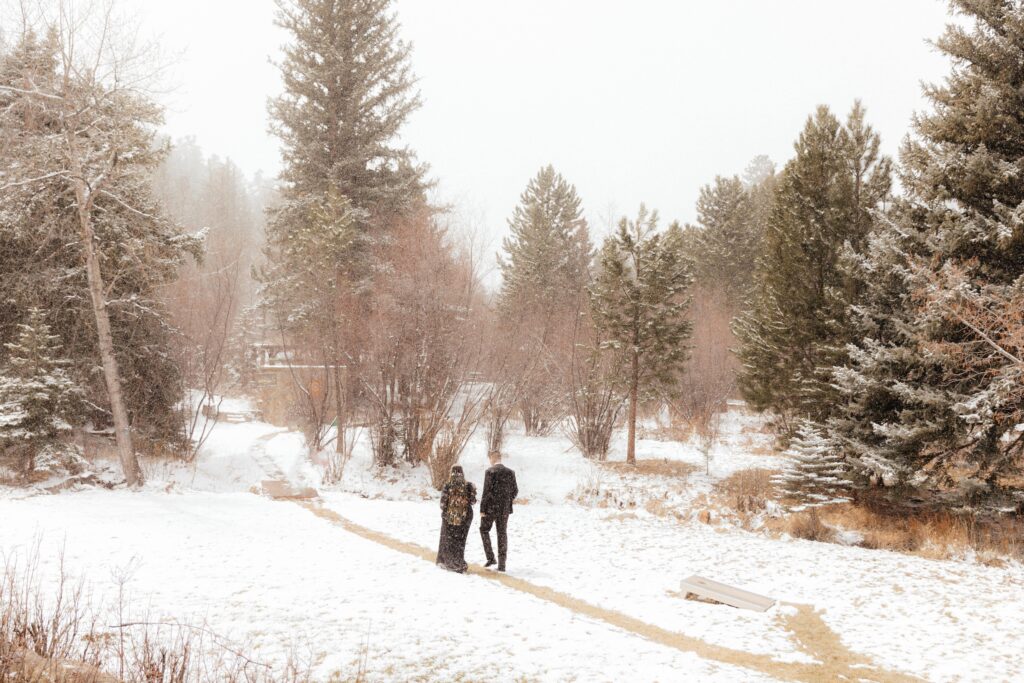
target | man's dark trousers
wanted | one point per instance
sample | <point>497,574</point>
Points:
<point>500,491</point>
<point>500,521</point>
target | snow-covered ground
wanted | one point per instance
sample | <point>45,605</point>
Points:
<point>197,545</point>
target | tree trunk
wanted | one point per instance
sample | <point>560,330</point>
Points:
<point>339,406</point>
<point>529,413</point>
<point>634,390</point>
<point>122,429</point>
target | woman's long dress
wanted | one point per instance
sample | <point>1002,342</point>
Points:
<point>451,548</point>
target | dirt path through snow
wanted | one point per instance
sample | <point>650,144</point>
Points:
<point>835,662</point>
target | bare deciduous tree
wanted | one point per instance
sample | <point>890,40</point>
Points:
<point>696,407</point>
<point>455,433</point>
<point>425,339</point>
<point>206,305</point>
<point>595,398</point>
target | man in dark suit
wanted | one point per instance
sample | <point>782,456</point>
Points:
<point>495,506</point>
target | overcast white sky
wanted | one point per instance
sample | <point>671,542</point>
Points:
<point>632,101</point>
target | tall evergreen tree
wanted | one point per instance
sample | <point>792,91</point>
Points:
<point>640,300</point>
<point>922,389</point>
<point>761,180</point>
<point>545,269</point>
<point>726,239</point>
<point>760,169</point>
<point>547,254</point>
<point>796,328</point>
<point>348,89</point>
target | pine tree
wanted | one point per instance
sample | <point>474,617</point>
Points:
<point>760,169</point>
<point>761,181</point>
<point>796,328</point>
<point>348,90</point>
<point>727,240</point>
<point>37,396</point>
<point>923,401</point>
<point>640,300</point>
<point>545,269</point>
<point>815,472</point>
<point>547,255</point>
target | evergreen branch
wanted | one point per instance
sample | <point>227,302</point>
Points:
<point>37,179</point>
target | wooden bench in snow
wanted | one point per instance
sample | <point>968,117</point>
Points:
<point>212,412</point>
<point>720,592</point>
<point>282,490</point>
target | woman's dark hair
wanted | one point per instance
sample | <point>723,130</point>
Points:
<point>457,468</point>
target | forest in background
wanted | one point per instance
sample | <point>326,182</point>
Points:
<point>870,307</point>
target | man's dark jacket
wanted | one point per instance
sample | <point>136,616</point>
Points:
<point>499,491</point>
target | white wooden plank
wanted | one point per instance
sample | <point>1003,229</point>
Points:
<point>730,595</point>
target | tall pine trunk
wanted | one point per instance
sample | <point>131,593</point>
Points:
<point>634,390</point>
<point>111,373</point>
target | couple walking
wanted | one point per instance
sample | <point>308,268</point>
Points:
<point>457,499</point>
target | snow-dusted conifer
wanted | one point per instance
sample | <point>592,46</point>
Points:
<point>348,90</point>
<point>726,241</point>
<point>548,252</point>
<point>640,298</point>
<point>815,473</point>
<point>37,397</point>
<point>81,234</point>
<point>796,327</point>
<point>925,399</point>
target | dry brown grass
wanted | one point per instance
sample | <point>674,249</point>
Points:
<point>746,491</point>
<point>935,534</point>
<point>51,632</point>
<point>659,468</point>
<point>758,446</point>
<point>659,508</point>
<point>619,516</point>
<point>808,525</point>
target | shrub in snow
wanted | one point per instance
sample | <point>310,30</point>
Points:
<point>592,421</point>
<point>384,439</point>
<point>809,526</point>
<point>448,447</point>
<point>595,399</point>
<point>37,398</point>
<point>815,472</point>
